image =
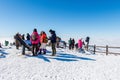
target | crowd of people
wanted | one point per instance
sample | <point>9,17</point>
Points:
<point>80,45</point>
<point>38,42</point>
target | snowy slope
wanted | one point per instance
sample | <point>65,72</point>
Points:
<point>67,65</point>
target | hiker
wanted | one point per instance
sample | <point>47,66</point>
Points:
<point>76,46</point>
<point>17,43</point>
<point>80,45</point>
<point>73,44</point>
<point>28,42</point>
<point>87,41</point>
<point>70,43</point>
<point>6,43</point>
<point>24,43</point>
<point>58,41</point>
<point>35,39</point>
<point>43,41</point>
<point>53,41</point>
<point>23,37</point>
<point>28,36</point>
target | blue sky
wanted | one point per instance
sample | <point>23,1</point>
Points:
<point>69,18</point>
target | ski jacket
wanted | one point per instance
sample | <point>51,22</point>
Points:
<point>80,43</point>
<point>37,40</point>
<point>53,37</point>
<point>43,38</point>
<point>70,42</point>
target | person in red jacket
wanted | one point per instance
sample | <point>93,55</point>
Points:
<point>43,41</point>
<point>35,39</point>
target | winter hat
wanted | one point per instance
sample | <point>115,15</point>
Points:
<point>50,30</point>
<point>35,30</point>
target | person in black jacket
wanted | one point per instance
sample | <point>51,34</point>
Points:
<point>28,36</point>
<point>53,41</point>
<point>0,45</point>
<point>23,36</point>
<point>87,41</point>
<point>73,44</point>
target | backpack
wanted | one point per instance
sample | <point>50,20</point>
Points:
<point>45,40</point>
<point>34,37</point>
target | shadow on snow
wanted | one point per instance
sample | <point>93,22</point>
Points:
<point>43,57</point>
<point>3,54</point>
<point>71,57</point>
<point>40,57</point>
<point>62,57</point>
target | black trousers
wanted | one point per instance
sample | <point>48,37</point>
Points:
<point>35,49</point>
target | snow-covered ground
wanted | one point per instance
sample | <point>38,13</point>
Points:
<point>66,65</point>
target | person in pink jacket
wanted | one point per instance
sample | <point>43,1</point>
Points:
<point>35,40</point>
<point>80,45</point>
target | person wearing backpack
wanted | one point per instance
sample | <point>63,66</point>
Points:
<point>53,41</point>
<point>43,41</point>
<point>35,39</point>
